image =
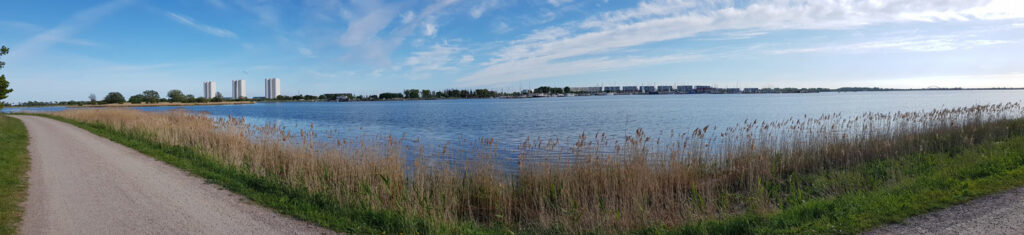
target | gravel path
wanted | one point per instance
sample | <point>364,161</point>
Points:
<point>80,183</point>
<point>1001,213</point>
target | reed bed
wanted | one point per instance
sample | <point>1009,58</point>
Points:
<point>595,183</point>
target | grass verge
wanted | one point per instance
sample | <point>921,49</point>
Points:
<point>896,189</point>
<point>14,163</point>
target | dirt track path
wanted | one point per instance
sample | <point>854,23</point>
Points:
<point>1001,213</point>
<point>81,183</point>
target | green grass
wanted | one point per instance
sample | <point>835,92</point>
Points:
<point>891,191</point>
<point>14,163</point>
<point>869,195</point>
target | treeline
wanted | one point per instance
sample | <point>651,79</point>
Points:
<point>148,97</point>
<point>793,90</point>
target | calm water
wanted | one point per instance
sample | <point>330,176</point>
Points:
<point>511,121</point>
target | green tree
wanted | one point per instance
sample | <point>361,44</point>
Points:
<point>388,95</point>
<point>176,95</point>
<point>150,96</point>
<point>4,85</point>
<point>566,90</point>
<point>412,93</point>
<point>190,98</point>
<point>427,94</point>
<point>114,98</point>
<point>217,98</point>
<point>137,99</point>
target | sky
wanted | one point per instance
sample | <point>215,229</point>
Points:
<point>66,50</point>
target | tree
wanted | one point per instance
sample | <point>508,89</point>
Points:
<point>114,98</point>
<point>427,94</point>
<point>150,96</point>
<point>388,95</point>
<point>176,95</point>
<point>4,85</point>
<point>412,93</point>
<point>92,98</point>
<point>190,98</point>
<point>217,98</point>
<point>136,99</point>
<point>566,90</point>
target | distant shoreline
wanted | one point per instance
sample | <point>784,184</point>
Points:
<point>159,104</point>
<point>522,96</point>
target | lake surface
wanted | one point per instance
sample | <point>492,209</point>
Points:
<point>511,121</point>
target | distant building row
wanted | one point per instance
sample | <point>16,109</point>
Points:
<point>686,89</point>
<point>272,89</point>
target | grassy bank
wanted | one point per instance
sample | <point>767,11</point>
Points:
<point>880,192</point>
<point>754,177</point>
<point>14,163</point>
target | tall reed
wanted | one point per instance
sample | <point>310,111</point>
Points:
<point>595,183</point>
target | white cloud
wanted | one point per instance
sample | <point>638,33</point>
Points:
<point>933,44</point>
<point>437,58</point>
<point>501,28</point>
<point>305,52</point>
<point>484,5</point>
<point>429,30</point>
<point>1017,25</point>
<point>466,59</point>
<point>205,28</point>
<point>558,2</point>
<point>664,20</point>
<point>428,16</point>
<point>408,17</point>
<point>362,37</point>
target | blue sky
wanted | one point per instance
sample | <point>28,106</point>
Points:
<point>63,50</point>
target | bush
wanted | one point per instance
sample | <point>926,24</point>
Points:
<point>114,98</point>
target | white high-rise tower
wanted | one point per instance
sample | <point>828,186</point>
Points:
<point>272,88</point>
<point>209,89</point>
<point>238,89</point>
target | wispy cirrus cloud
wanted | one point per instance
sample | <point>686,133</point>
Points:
<point>219,32</point>
<point>69,27</point>
<point>665,20</point>
<point>915,44</point>
<point>438,58</point>
<point>477,11</point>
<point>558,2</point>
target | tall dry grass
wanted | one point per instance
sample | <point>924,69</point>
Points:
<point>596,183</point>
